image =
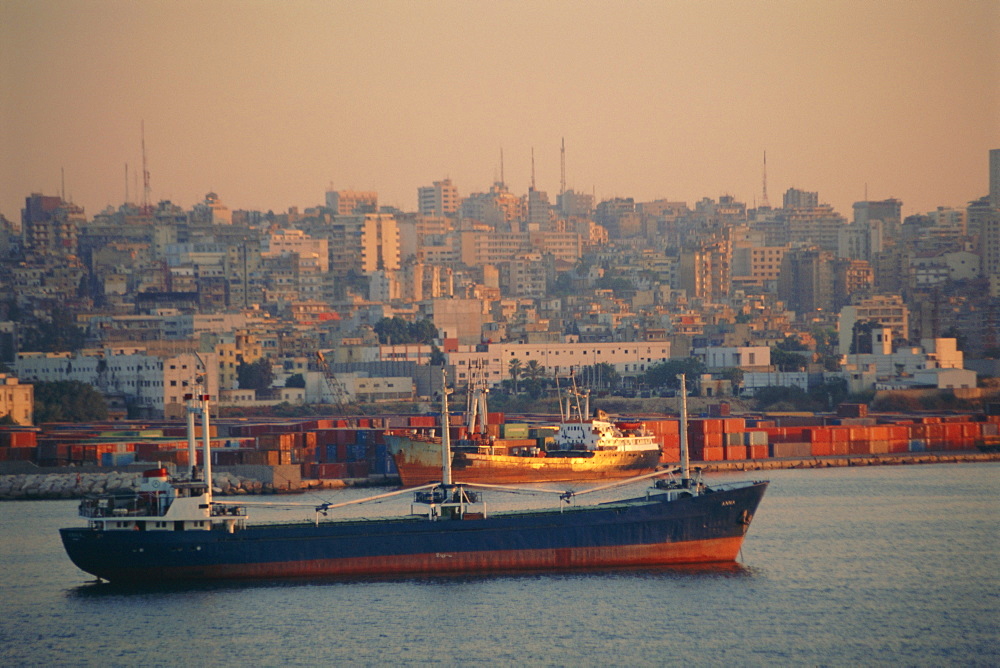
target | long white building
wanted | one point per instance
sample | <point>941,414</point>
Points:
<point>154,384</point>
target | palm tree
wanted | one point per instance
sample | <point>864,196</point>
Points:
<point>533,370</point>
<point>515,371</point>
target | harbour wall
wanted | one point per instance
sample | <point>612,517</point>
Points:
<point>70,484</point>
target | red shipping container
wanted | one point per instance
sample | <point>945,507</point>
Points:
<point>757,451</point>
<point>899,445</point>
<point>860,448</point>
<point>711,454</point>
<point>840,434</point>
<point>731,425</point>
<point>670,455</point>
<point>712,440</point>
<point>901,432</point>
<point>816,435</point>
<point>332,471</point>
<point>822,449</point>
<point>707,426</point>
<point>735,452</point>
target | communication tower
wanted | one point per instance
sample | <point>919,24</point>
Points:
<point>562,167</point>
<point>764,204</point>
<point>146,207</point>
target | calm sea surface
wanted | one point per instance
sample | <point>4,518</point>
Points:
<point>893,566</point>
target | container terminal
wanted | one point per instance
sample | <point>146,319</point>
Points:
<point>289,455</point>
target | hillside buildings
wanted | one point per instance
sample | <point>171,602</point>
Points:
<point>568,281</point>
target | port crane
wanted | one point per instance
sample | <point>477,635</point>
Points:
<point>337,389</point>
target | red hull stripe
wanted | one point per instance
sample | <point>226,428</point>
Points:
<point>693,552</point>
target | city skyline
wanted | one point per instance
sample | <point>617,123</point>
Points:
<point>270,104</point>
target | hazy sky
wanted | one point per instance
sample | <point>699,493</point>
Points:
<point>267,103</point>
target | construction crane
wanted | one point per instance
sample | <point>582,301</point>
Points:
<point>337,389</point>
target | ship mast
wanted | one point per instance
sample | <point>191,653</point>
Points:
<point>685,463</point>
<point>208,444</point>
<point>192,445</point>
<point>445,431</point>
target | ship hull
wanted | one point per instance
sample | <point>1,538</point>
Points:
<point>638,532</point>
<point>419,463</point>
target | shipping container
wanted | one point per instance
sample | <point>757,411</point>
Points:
<point>791,449</point>
<point>735,452</point>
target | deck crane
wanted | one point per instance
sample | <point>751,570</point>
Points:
<point>337,389</point>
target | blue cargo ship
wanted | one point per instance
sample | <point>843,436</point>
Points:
<point>174,529</point>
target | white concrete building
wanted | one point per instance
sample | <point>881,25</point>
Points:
<point>156,385</point>
<point>742,357</point>
<point>756,380</point>
<point>911,366</point>
<point>627,358</point>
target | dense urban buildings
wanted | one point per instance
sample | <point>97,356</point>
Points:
<point>146,302</point>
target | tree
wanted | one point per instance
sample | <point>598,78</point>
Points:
<point>437,357</point>
<point>423,331</point>
<point>734,375</point>
<point>786,361</point>
<point>533,370</point>
<point>68,401</point>
<point>780,397</point>
<point>615,284</point>
<point>601,375</point>
<point>296,380</point>
<point>58,334</point>
<point>831,393</point>
<point>396,330</point>
<point>514,368</point>
<point>664,374</point>
<point>533,373</point>
<point>790,344</point>
<point>255,375</point>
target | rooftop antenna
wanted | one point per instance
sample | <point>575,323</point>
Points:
<point>532,167</point>
<point>62,188</point>
<point>145,171</point>
<point>562,167</point>
<point>502,182</point>
<point>126,183</point>
<point>763,201</point>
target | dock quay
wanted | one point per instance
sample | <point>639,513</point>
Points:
<point>287,456</point>
<point>43,484</point>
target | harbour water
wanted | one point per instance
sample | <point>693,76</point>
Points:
<point>893,565</point>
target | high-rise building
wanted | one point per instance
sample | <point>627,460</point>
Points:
<point>806,280</point>
<point>212,212</point>
<point>363,244</point>
<point>887,310</point>
<point>440,199</point>
<point>575,204</point>
<point>888,211</point>
<point>539,211</point>
<point>819,225</point>
<point>499,208</point>
<point>705,271</point>
<point>50,226</point>
<point>799,199</point>
<point>351,202</point>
